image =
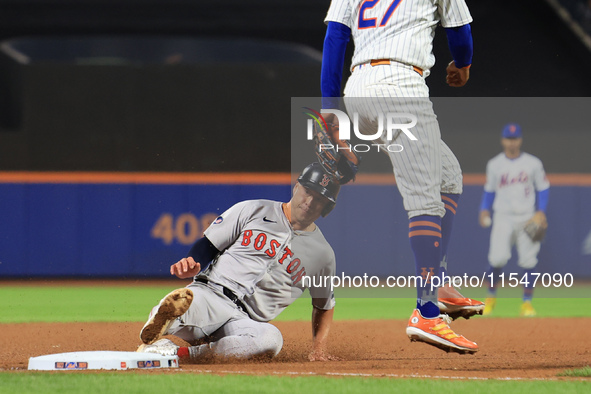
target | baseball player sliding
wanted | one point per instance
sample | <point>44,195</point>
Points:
<point>393,56</point>
<point>517,190</point>
<point>247,269</point>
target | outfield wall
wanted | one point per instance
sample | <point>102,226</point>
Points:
<point>136,225</point>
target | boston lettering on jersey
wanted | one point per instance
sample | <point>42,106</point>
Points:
<point>520,178</point>
<point>259,243</point>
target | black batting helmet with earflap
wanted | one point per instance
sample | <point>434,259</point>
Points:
<point>314,177</point>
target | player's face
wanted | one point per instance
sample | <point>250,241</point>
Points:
<point>306,205</point>
<point>511,146</point>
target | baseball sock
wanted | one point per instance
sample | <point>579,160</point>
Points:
<point>194,352</point>
<point>425,240</point>
<point>492,286</point>
<point>528,289</point>
<point>183,352</point>
<point>451,205</point>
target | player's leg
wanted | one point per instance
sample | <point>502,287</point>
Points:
<point>418,176</point>
<point>501,241</point>
<point>240,338</point>
<point>527,251</point>
<point>191,313</point>
<point>451,301</point>
<point>451,190</point>
<point>417,168</point>
<point>173,305</point>
<point>370,94</point>
<point>425,232</point>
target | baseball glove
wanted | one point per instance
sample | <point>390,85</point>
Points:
<point>536,227</point>
<point>336,156</point>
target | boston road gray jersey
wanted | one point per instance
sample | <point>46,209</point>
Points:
<point>252,236</point>
<point>310,264</point>
<point>260,251</point>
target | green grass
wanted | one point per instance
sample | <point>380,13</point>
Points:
<point>577,373</point>
<point>129,304</point>
<point>131,382</point>
<point>83,304</point>
<point>119,303</point>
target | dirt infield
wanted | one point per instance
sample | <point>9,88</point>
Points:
<point>509,348</point>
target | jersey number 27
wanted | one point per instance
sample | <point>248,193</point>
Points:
<point>371,22</point>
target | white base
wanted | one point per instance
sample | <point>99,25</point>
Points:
<point>77,361</point>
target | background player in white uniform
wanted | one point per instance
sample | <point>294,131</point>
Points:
<point>516,188</point>
<point>261,252</point>
<point>393,56</point>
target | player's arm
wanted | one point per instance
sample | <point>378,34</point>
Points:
<point>488,196</point>
<point>539,217</point>
<point>321,322</point>
<point>222,233</point>
<point>200,256</point>
<point>542,197</point>
<point>333,58</point>
<point>538,224</point>
<point>485,208</point>
<point>460,44</point>
<point>542,186</point>
<point>344,163</point>
<point>323,302</point>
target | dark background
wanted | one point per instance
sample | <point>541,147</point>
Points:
<point>220,105</point>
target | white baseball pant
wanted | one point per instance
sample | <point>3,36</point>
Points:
<point>228,331</point>
<point>426,167</point>
<point>507,230</point>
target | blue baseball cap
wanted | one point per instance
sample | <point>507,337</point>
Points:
<point>512,130</point>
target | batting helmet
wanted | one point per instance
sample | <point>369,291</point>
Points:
<point>314,177</point>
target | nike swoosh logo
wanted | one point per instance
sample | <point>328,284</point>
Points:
<point>268,221</point>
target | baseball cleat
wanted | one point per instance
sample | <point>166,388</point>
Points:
<point>452,303</point>
<point>164,347</point>
<point>436,332</point>
<point>490,303</point>
<point>175,304</point>
<point>527,310</point>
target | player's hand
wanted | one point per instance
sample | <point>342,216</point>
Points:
<point>331,119</point>
<point>484,218</point>
<point>333,128</point>
<point>185,268</point>
<point>457,77</point>
<point>321,355</point>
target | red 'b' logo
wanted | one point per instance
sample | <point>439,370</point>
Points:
<point>325,180</point>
